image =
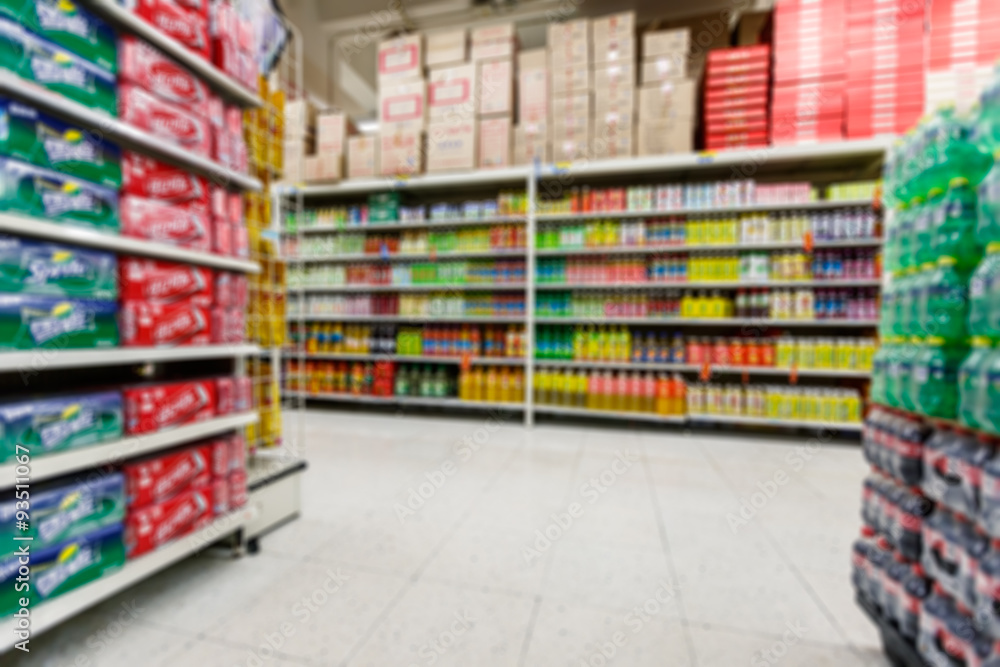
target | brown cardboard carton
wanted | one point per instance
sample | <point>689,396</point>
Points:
<point>533,95</point>
<point>294,161</point>
<point>566,108</point>
<point>403,101</point>
<point>452,92</point>
<point>332,130</point>
<point>664,68</point>
<point>611,140</point>
<point>362,156</point>
<point>708,32</point>
<point>300,118</point>
<point>658,137</point>
<point>400,58</point>
<point>494,142</point>
<point>613,38</point>
<point>670,98</point>
<point>531,142</point>
<point>569,79</point>
<point>533,59</point>
<point>622,99</point>
<point>496,87</point>
<point>494,41</point>
<point>451,145</point>
<point>570,53</point>
<point>401,150</point>
<point>571,141</point>
<point>665,43</point>
<point>446,47</point>
<point>619,115</point>
<point>324,168</point>
<point>614,76</point>
<point>568,31</point>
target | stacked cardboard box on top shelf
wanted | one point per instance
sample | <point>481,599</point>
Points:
<point>300,138</point>
<point>737,88</point>
<point>885,67</point>
<point>614,86</point>
<point>667,95</point>
<point>809,71</point>
<point>493,52</point>
<point>963,43</point>
<point>570,101</point>
<point>402,105</point>
<point>532,138</point>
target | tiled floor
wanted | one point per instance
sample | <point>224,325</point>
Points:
<point>442,541</point>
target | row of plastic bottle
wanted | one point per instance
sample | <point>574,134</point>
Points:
<point>458,341</point>
<point>813,404</point>
<point>621,391</point>
<point>352,305</point>
<point>496,385</point>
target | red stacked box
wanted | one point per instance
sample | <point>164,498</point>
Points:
<point>885,67</point>
<point>157,406</point>
<point>234,45</point>
<point>175,493</point>
<point>184,20</point>
<point>810,68</point>
<point>963,42</point>
<point>737,86</point>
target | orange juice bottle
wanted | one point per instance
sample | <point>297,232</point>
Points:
<point>517,386</point>
<point>505,385</point>
<point>677,395</point>
<point>465,385</point>
<point>662,395</point>
<point>634,392</point>
<point>492,385</point>
<point>648,393</point>
<point>312,340</point>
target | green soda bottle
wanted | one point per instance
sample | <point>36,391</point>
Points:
<point>903,303</point>
<point>892,234</point>
<point>887,313</point>
<point>983,284</point>
<point>948,303</point>
<point>935,376</point>
<point>964,157</point>
<point>989,417</point>
<point>878,385</point>
<point>909,353</point>
<point>988,210</point>
<point>904,240</point>
<point>972,383</point>
<point>957,219</point>
<point>920,284</point>
<point>922,228</point>
<point>892,389</point>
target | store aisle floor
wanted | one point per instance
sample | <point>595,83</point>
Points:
<point>473,542</point>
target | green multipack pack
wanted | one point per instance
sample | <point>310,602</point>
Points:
<point>383,207</point>
<point>49,195</point>
<point>42,62</point>
<point>30,322</point>
<point>65,23</point>
<point>64,510</point>
<point>61,568</point>
<point>55,424</point>
<point>34,267</point>
<point>28,135</point>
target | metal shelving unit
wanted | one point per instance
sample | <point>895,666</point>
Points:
<point>693,284</point>
<point>43,359</point>
<point>749,322</point>
<point>420,401</point>
<point>713,247</point>
<point>445,319</point>
<point>819,205</point>
<point>419,359</point>
<point>784,423</point>
<point>712,369</point>
<point>610,414</point>
<point>411,257</point>
<point>410,224</point>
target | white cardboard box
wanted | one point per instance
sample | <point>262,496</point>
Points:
<point>447,47</point>
<point>533,59</point>
<point>400,57</point>
<point>614,76</point>
<point>613,38</point>
<point>568,31</point>
<point>659,137</point>
<point>403,101</point>
<point>665,42</point>
<point>533,95</point>
<point>664,68</point>
<point>451,92</point>
<point>569,79</point>
<point>612,141</point>
<point>663,100</point>
<point>362,156</point>
<point>530,142</point>
<point>494,41</point>
<point>623,99</point>
<point>496,86</point>
<point>332,130</point>
<point>570,142</point>
<point>451,146</point>
<point>573,105</point>
<point>324,168</point>
<point>401,150</point>
<point>494,142</point>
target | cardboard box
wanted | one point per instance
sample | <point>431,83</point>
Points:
<point>531,142</point>
<point>452,145</point>
<point>164,120</point>
<point>403,102</point>
<point>160,477</point>
<point>533,95</point>
<point>753,28</point>
<point>613,38</point>
<point>621,104</point>
<point>571,141</point>
<point>446,47</point>
<point>668,99</point>
<point>324,168</point>
<point>149,527</point>
<point>659,137</point>
<point>494,41</point>
<point>293,161</point>
<point>666,43</point>
<point>300,118</point>
<point>150,178</point>
<point>401,150</point>
<point>400,58</point>
<point>150,69</point>
<point>362,156</point>
<point>569,79</point>
<point>332,130</point>
<point>155,280</point>
<point>664,68</point>
<point>186,225</point>
<point>496,86</point>
<point>568,31</point>
<point>533,59</point>
<point>613,141</point>
<point>153,407</point>
<point>494,142</point>
<point>574,105</point>
<point>452,92</point>
<point>160,324</point>
<point>609,77</point>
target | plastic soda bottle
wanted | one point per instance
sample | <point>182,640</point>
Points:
<point>990,415</point>
<point>903,303</point>
<point>922,223</point>
<point>983,284</point>
<point>904,237</point>
<point>955,225</point>
<point>972,383</point>
<point>935,376</point>
<point>947,303</point>
<point>878,385</point>
<point>919,295</point>
<point>988,208</point>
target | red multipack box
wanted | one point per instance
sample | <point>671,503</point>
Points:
<point>241,241</point>
<point>188,26</point>
<point>222,237</point>
<point>219,456</point>
<point>237,489</point>
<point>149,528</point>
<point>730,123</point>
<point>748,79</point>
<point>228,325</point>
<point>738,96</point>
<point>154,407</point>
<point>155,479</point>
<point>187,225</point>
<point>235,204</point>
<point>793,130</point>
<point>224,295</point>
<point>164,120</point>
<point>145,177</point>
<point>167,282</point>
<point>147,67</point>
<point>225,390</point>
<point>244,394</point>
<point>237,452</point>
<point>158,324</point>
<point>817,98</point>
<point>220,496</point>
<point>220,203</point>
<point>735,140</point>
<point>240,290</point>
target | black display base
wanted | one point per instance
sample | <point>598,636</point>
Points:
<point>898,648</point>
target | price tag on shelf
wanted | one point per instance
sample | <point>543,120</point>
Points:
<point>401,180</point>
<point>807,241</point>
<point>706,157</point>
<point>706,371</point>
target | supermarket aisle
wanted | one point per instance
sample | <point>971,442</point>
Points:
<point>423,541</point>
